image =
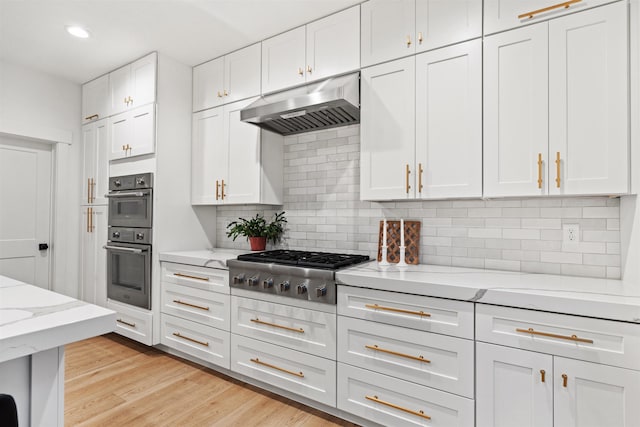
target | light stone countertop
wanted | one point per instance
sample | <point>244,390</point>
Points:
<point>601,298</point>
<point>33,319</point>
<point>214,258</point>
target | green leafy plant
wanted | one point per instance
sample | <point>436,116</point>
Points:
<point>258,227</point>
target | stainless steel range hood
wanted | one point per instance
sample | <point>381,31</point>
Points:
<point>329,103</point>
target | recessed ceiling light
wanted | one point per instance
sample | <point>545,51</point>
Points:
<point>77,31</point>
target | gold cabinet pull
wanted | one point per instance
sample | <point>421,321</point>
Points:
<point>548,334</point>
<point>275,325</point>
<point>179,335</point>
<point>542,374</point>
<point>564,380</point>
<point>420,172</point>
<point>133,325</point>
<point>217,190</point>
<point>206,279</point>
<point>406,178</point>
<point>300,72</point>
<point>539,170</point>
<point>395,353</point>
<point>93,190</point>
<point>418,413</point>
<point>93,116</point>
<point>219,94</point>
<point>420,37</point>
<point>225,93</point>
<point>222,189</point>
<point>558,169</point>
<point>408,41</point>
<point>531,14</point>
<point>177,301</point>
<point>88,190</point>
<point>131,100</point>
<point>88,216</point>
<point>309,69</point>
<point>268,365</point>
<point>90,220</point>
<point>125,101</point>
<point>397,310</point>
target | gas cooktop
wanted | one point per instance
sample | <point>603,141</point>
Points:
<point>323,260</point>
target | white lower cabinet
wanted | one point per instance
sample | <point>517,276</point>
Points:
<point>394,402</point>
<point>304,374</point>
<point>208,308</point>
<point>204,342</point>
<point>132,322</point>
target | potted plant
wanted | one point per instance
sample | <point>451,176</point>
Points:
<point>257,230</point>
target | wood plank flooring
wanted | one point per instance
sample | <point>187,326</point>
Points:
<point>113,381</point>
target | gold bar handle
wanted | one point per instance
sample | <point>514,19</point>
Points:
<point>93,190</point>
<point>542,374</point>
<point>268,365</point>
<point>131,100</point>
<point>90,220</point>
<point>219,94</point>
<point>408,41</point>
<point>94,116</point>
<point>88,190</point>
<point>420,37</point>
<point>420,172</point>
<point>397,310</point>
<point>88,216</point>
<point>395,353</point>
<point>179,335</point>
<point>275,325</point>
<point>406,178</point>
<point>531,14</point>
<point>222,189</point>
<point>394,406</point>
<point>564,380</point>
<point>558,169</point>
<point>177,301</point>
<point>539,170</point>
<point>206,279</point>
<point>550,335</point>
<point>225,93</point>
<point>133,325</point>
<point>217,190</point>
<point>126,102</point>
<point>309,69</point>
<point>300,72</point>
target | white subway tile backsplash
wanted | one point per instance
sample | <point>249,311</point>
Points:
<point>322,203</point>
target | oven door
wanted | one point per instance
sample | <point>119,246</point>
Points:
<point>129,273</point>
<point>130,208</point>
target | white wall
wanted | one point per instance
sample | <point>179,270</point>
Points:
<point>45,107</point>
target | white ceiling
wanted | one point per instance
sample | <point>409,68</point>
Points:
<point>32,32</point>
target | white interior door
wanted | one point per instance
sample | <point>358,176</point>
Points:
<point>25,210</point>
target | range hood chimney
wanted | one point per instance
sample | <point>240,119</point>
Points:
<point>330,103</point>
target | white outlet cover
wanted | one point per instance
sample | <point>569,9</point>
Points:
<point>569,244</point>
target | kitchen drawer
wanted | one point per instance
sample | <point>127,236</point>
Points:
<point>204,342</point>
<point>433,360</point>
<point>133,322</point>
<point>614,343</point>
<point>208,308</point>
<point>210,279</point>
<point>393,402</point>
<point>297,328</point>
<point>437,315</point>
<point>301,373</point>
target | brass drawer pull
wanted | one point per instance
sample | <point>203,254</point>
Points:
<point>179,335</point>
<point>286,371</point>
<point>558,169</point>
<point>548,334</point>
<point>93,190</point>
<point>406,177</point>
<point>539,170</point>
<point>420,37</point>
<point>205,279</point>
<point>397,310</point>
<point>564,380</point>
<point>531,14</point>
<point>88,190</point>
<point>275,325</point>
<point>393,405</point>
<point>395,353</point>
<point>93,116</point>
<point>133,325</point>
<point>408,41</point>
<point>222,189</point>
<point>177,301</point>
<point>542,374</point>
<point>420,172</point>
<point>217,190</point>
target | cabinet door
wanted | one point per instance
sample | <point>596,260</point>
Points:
<point>208,161</point>
<point>388,131</point>
<point>95,162</point>
<point>595,395</point>
<point>283,60</point>
<point>143,81</point>
<point>512,389</point>
<point>333,44</point>
<point>119,90</point>
<point>388,30</point>
<point>89,149</point>
<point>588,91</point>
<point>93,258</point>
<point>120,135</point>
<point>444,22</point>
<point>208,84</point>
<point>515,112</point>
<point>143,133</point>
<point>242,180</point>
<point>95,99</point>
<point>242,74</point>
<point>449,121</point>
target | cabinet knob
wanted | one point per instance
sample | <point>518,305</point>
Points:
<point>309,69</point>
<point>225,93</point>
<point>219,94</point>
<point>300,72</point>
<point>408,41</point>
<point>420,37</point>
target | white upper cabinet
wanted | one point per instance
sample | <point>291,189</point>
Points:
<point>387,147</point>
<point>95,99</point>
<point>208,158</point>
<point>133,85</point>
<point>500,15</point>
<point>588,91</point>
<point>132,133</point>
<point>317,50</point>
<point>516,112</point>
<point>449,121</point>
<point>395,28</point>
<point>95,164</point>
<point>227,79</point>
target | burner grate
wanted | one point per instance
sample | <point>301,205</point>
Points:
<point>322,260</point>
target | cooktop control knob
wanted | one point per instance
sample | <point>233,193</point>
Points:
<point>284,286</point>
<point>239,279</point>
<point>322,291</point>
<point>301,289</point>
<point>253,281</point>
<point>267,283</point>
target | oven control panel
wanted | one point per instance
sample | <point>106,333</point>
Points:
<point>131,182</point>
<point>130,235</point>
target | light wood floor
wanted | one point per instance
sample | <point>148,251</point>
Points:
<point>112,381</point>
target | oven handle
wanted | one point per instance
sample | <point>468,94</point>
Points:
<point>121,248</point>
<point>128,194</point>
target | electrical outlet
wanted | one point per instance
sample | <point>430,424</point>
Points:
<point>570,236</point>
